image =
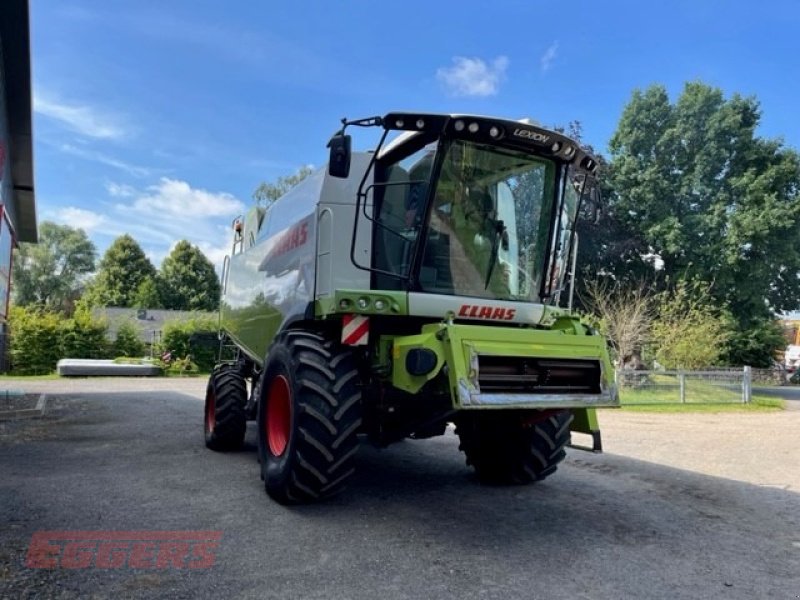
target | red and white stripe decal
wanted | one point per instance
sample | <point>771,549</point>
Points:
<point>355,330</point>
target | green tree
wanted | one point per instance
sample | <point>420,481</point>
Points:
<point>123,268</point>
<point>147,295</point>
<point>188,280</point>
<point>695,193</point>
<point>756,344</point>
<point>690,330</point>
<point>266,193</point>
<point>49,274</point>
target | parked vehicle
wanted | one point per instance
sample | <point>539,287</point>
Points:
<point>398,290</point>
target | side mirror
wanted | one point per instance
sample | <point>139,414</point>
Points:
<point>339,163</point>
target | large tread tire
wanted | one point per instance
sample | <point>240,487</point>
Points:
<point>505,447</point>
<point>225,421</point>
<point>309,414</point>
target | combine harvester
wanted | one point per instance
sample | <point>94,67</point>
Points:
<point>405,288</point>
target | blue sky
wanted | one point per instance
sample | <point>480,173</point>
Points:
<point>159,119</point>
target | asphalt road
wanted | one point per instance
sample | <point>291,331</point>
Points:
<point>789,393</point>
<point>651,518</point>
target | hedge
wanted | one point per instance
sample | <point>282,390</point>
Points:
<point>40,338</point>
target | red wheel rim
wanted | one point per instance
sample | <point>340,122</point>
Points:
<point>279,415</point>
<point>211,410</point>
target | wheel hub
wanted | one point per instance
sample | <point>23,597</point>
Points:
<point>211,411</point>
<point>279,415</point>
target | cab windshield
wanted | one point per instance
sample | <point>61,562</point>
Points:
<point>489,221</point>
<point>491,231</point>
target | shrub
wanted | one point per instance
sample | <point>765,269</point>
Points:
<point>127,342</point>
<point>189,339</point>
<point>183,366</point>
<point>34,344</point>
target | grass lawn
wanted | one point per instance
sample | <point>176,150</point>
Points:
<point>759,404</point>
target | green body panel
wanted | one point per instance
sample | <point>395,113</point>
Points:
<point>252,328</point>
<point>585,421</point>
<point>400,347</point>
<point>458,347</point>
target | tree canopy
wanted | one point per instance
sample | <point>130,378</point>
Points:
<point>694,193</point>
<point>50,273</point>
<point>188,280</point>
<point>123,268</point>
<point>695,186</point>
<point>147,294</point>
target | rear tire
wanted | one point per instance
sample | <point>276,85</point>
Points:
<point>309,414</point>
<point>225,422</point>
<point>512,447</point>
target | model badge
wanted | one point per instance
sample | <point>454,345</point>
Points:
<point>532,135</point>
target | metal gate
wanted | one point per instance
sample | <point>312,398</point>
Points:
<point>723,386</point>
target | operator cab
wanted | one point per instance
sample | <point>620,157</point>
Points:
<point>473,206</point>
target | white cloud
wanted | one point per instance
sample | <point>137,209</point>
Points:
<point>120,190</point>
<point>79,218</point>
<point>216,253</point>
<point>546,61</point>
<point>173,210</point>
<point>178,199</point>
<point>82,119</point>
<point>472,76</point>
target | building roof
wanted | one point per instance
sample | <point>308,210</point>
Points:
<point>15,36</point>
<point>149,323</point>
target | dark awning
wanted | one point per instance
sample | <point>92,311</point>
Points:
<point>15,36</point>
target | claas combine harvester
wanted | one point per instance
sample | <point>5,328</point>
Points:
<point>402,289</point>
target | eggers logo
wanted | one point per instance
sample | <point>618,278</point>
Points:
<point>123,549</point>
<point>473,311</point>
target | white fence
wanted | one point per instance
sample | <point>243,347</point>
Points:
<point>719,386</point>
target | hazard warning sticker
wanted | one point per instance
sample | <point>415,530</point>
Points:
<point>355,330</point>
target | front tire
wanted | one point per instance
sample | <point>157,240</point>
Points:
<point>308,416</point>
<point>225,422</point>
<point>509,447</point>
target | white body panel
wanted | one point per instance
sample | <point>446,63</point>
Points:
<point>335,216</point>
<point>477,309</point>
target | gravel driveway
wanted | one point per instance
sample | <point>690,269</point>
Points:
<point>679,506</point>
